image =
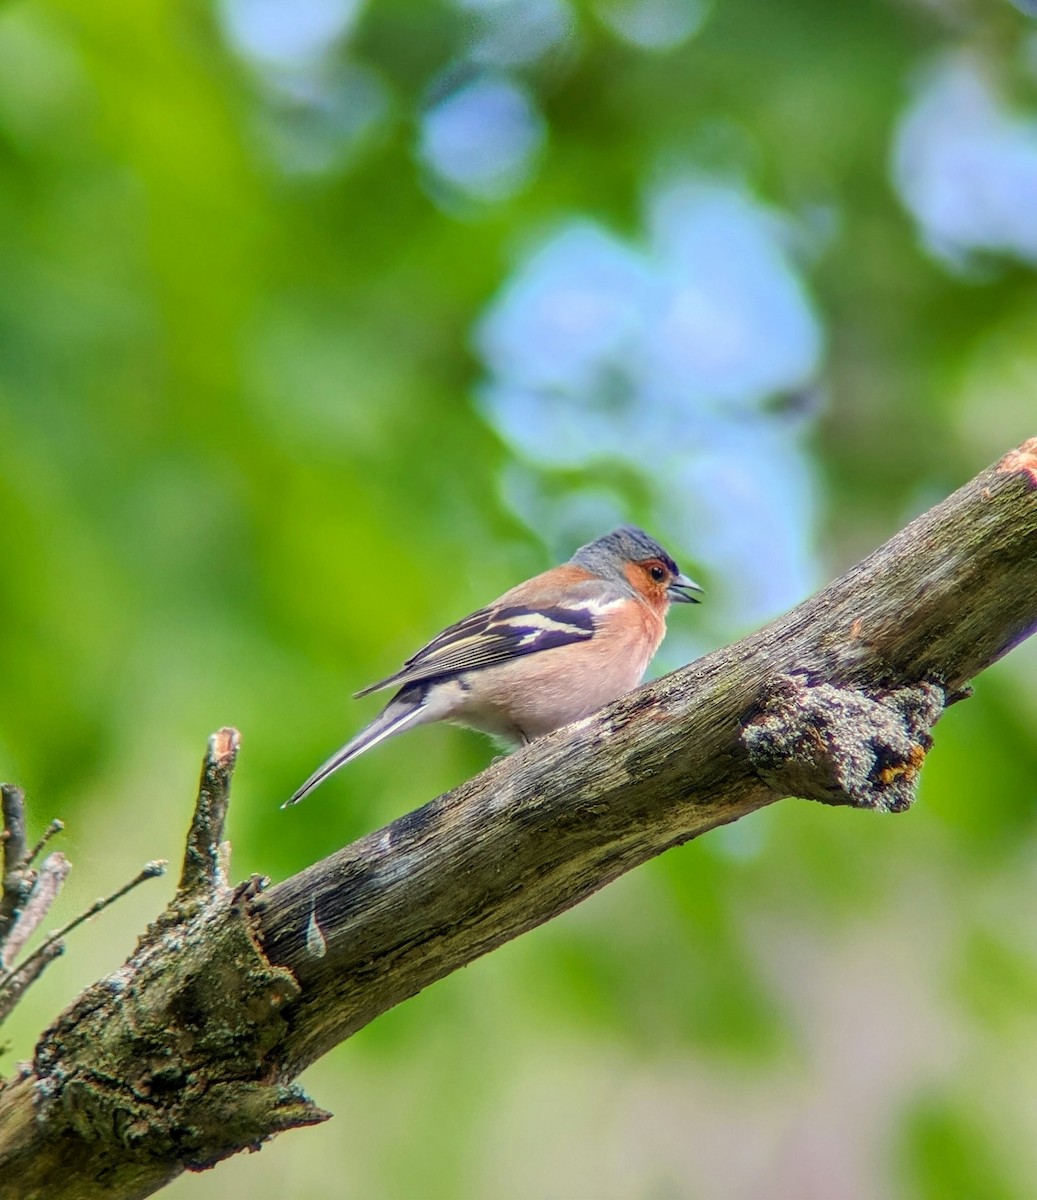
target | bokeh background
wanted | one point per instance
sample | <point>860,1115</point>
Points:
<point>321,323</point>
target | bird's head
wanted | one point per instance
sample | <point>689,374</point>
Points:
<point>630,557</point>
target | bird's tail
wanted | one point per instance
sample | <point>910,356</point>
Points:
<point>402,711</point>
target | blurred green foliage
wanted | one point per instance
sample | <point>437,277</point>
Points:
<point>249,461</point>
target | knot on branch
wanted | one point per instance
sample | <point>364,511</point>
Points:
<point>178,1050</point>
<point>840,745</point>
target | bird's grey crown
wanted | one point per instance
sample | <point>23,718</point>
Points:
<point>607,555</point>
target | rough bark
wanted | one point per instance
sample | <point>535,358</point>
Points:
<point>187,1053</point>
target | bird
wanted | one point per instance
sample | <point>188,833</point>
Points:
<point>549,651</point>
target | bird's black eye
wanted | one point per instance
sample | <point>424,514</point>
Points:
<point>657,572</point>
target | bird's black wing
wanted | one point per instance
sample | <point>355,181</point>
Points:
<point>493,635</point>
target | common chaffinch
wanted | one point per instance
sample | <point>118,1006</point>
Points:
<point>547,652</point>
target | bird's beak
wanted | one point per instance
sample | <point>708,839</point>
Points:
<point>679,589</point>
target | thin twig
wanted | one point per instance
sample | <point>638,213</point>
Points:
<point>56,826</point>
<point>149,871</point>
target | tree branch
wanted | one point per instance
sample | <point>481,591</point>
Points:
<point>186,1054</point>
<point>16,883</point>
<point>833,701</point>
